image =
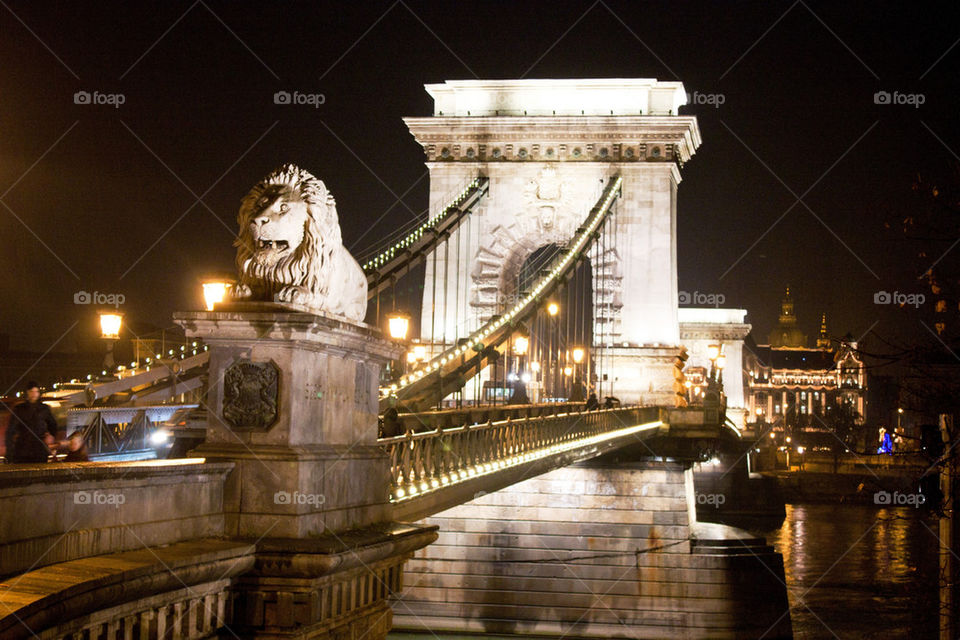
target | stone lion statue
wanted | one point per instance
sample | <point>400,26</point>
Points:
<point>289,248</point>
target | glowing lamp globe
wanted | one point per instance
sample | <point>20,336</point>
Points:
<point>214,292</point>
<point>520,344</point>
<point>398,324</point>
<point>553,308</point>
<point>110,324</point>
<point>578,355</point>
<point>713,351</point>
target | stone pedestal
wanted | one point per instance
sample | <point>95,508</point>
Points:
<point>292,399</point>
<point>292,402</point>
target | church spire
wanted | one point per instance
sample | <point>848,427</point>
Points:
<point>823,340</point>
<point>786,307</point>
<point>787,333</point>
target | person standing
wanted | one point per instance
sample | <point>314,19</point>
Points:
<point>76,448</point>
<point>30,422</point>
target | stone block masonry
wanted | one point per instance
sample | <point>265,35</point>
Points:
<point>593,551</point>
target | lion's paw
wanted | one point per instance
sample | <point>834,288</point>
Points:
<point>295,295</point>
<point>241,292</point>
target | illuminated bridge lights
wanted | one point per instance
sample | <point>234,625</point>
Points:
<point>476,340</point>
<point>388,254</point>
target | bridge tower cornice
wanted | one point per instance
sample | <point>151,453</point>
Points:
<point>609,139</point>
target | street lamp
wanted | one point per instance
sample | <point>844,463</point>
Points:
<point>215,291</point>
<point>713,352</point>
<point>578,354</point>
<point>520,345</point>
<point>398,324</point>
<point>110,324</point>
<point>553,308</point>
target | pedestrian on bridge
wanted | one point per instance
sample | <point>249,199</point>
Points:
<point>391,426</point>
<point>31,422</point>
<point>592,402</point>
<point>76,448</point>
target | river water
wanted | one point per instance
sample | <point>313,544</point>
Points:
<point>857,571</point>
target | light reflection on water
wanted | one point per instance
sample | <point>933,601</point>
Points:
<point>859,571</point>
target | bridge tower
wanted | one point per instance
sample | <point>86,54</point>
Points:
<point>548,147</point>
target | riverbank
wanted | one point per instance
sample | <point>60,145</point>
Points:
<point>865,488</point>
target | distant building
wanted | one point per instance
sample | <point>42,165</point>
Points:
<point>798,388</point>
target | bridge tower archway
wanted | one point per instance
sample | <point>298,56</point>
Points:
<point>548,148</point>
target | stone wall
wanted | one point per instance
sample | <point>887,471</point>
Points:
<point>592,551</point>
<point>58,512</point>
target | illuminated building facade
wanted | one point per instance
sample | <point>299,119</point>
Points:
<point>797,388</point>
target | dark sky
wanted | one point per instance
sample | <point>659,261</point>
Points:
<point>104,198</point>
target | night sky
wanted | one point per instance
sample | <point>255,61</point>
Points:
<point>141,199</point>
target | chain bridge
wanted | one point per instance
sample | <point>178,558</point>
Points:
<point>526,459</point>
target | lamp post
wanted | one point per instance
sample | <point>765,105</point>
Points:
<point>518,380</point>
<point>553,364</point>
<point>713,352</point>
<point>398,324</point>
<point>110,324</point>
<point>521,344</point>
<point>578,392</point>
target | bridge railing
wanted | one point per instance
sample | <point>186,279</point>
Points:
<point>456,417</point>
<point>429,460</point>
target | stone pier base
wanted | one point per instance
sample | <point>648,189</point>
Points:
<point>593,552</point>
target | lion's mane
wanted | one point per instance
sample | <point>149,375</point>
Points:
<point>318,274</point>
<point>304,266</point>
